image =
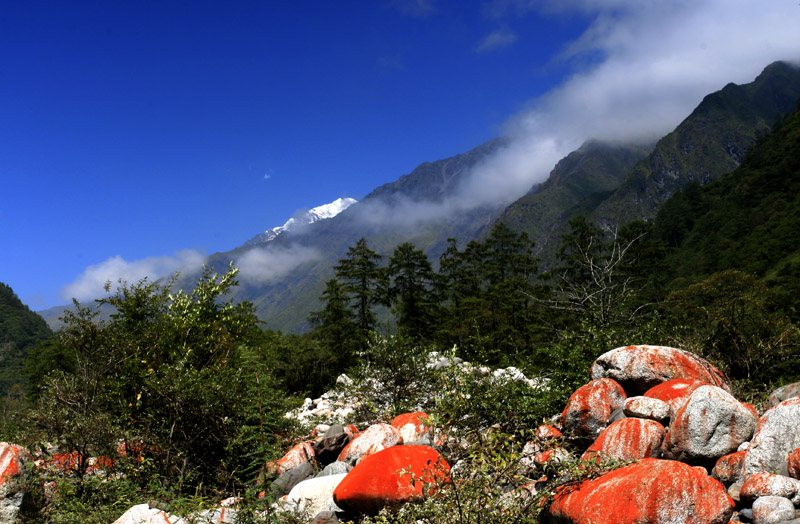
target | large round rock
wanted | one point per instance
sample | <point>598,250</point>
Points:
<point>628,439</point>
<point>639,368</point>
<point>374,439</point>
<point>652,491</point>
<point>783,393</point>
<point>777,435</point>
<point>390,478</point>
<point>315,495</point>
<point>588,410</point>
<point>710,425</point>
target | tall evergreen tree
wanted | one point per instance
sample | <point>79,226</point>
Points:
<point>412,291</point>
<point>364,282</point>
<point>334,325</point>
<point>488,289</point>
<point>510,268</point>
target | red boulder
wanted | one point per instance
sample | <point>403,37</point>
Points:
<point>675,392</point>
<point>652,491</point>
<point>728,469</point>
<point>546,432</point>
<point>628,439</point>
<point>390,478</point>
<point>589,409</point>
<point>413,427</point>
<point>793,464</point>
<point>299,454</point>
<point>11,458</point>
<point>639,368</point>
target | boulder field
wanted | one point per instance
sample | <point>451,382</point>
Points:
<point>690,453</point>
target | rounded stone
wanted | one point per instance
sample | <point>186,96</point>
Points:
<point>639,368</point>
<point>772,510</point>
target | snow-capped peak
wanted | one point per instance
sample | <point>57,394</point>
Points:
<point>330,210</point>
<point>309,217</point>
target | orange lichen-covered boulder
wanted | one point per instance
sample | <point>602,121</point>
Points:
<point>375,438</point>
<point>793,464</point>
<point>770,485</point>
<point>652,491</point>
<point>299,454</point>
<point>389,478</point>
<point>728,469</point>
<point>674,392</point>
<point>639,368</point>
<point>11,458</point>
<point>589,409</point>
<point>628,439</point>
<point>547,432</point>
<point>413,427</point>
<point>710,425</point>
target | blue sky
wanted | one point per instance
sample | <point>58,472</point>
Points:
<point>138,136</point>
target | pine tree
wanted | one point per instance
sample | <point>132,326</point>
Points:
<point>412,291</point>
<point>364,282</point>
<point>334,325</point>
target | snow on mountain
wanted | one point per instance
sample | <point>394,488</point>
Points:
<point>308,217</point>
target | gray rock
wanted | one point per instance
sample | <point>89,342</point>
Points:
<point>333,430</point>
<point>646,407</point>
<point>315,495</point>
<point>335,468</point>
<point>734,489</point>
<point>772,510</point>
<point>711,424</point>
<point>327,450</point>
<point>617,414</point>
<point>288,480</point>
<point>783,393</point>
<point>325,517</point>
<point>777,434</point>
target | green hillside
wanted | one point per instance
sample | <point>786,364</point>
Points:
<point>577,183</point>
<point>20,330</point>
<point>710,142</point>
<point>747,220</point>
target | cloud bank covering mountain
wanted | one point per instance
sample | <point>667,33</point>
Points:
<point>639,68</point>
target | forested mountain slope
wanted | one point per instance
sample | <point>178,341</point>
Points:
<point>577,183</point>
<point>710,142</point>
<point>748,220</point>
<point>20,329</point>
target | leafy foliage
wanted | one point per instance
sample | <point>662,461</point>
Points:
<point>171,375</point>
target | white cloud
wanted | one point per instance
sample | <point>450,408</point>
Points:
<point>640,68</point>
<point>646,66</point>
<point>269,263</point>
<point>496,40</point>
<point>90,284</point>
